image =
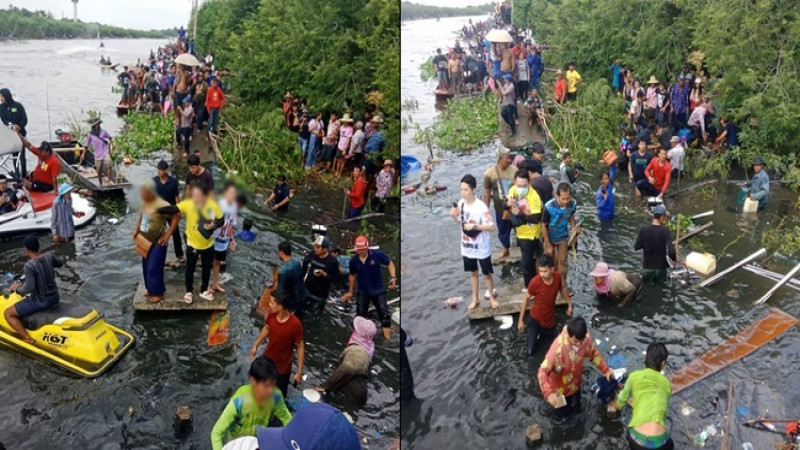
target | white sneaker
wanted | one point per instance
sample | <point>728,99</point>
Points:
<point>188,298</point>
<point>207,295</point>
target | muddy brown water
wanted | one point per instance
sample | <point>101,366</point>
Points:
<point>463,369</point>
<point>171,364</point>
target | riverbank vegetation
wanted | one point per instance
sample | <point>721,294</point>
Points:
<point>465,124</point>
<point>20,23</point>
<point>340,56</point>
<point>411,11</point>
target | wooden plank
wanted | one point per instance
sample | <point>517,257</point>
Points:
<point>510,302</point>
<point>173,300</point>
<point>514,255</point>
<point>771,275</point>
<point>733,349</point>
<point>695,231</point>
<point>726,440</point>
<point>777,286</point>
<point>739,264</point>
<point>689,188</point>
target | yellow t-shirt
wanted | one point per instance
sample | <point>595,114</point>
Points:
<point>530,204</point>
<point>194,217</point>
<point>572,81</point>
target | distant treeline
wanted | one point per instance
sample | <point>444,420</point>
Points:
<point>20,23</point>
<point>410,11</point>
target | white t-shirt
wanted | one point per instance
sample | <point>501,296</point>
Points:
<point>480,246</point>
<point>676,156</point>
<point>222,235</point>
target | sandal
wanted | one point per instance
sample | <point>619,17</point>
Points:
<point>207,295</point>
<point>188,298</point>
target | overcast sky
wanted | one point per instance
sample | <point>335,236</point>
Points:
<point>139,14</point>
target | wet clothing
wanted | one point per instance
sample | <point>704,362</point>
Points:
<point>650,391</point>
<point>290,281</point>
<point>544,299</point>
<point>371,288</point>
<point>759,188</point>
<point>605,205</point>
<point>320,286</point>
<point>638,441</point>
<point>62,222</point>
<point>40,284</point>
<point>639,164</point>
<point>12,112</point>
<point>656,244</point>
<point>281,192</point>
<point>242,416</point>
<point>561,371</point>
<point>406,377</point>
<point>620,286</point>
<point>283,337</point>
<point>557,219</point>
<point>350,376</point>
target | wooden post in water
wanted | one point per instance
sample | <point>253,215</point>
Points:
<point>726,441</point>
<point>780,283</point>
<point>739,264</point>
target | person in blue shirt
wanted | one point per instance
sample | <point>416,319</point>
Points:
<point>537,67</point>
<point>615,69</point>
<point>729,135</point>
<point>558,218</point>
<point>366,267</point>
<point>759,184</point>
<point>280,195</point>
<point>245,234</point>
<point>290,278</point>
<point>605,197</point>
<point>638,162</point>
<point>376,141</point>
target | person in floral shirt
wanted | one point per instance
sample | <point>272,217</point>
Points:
<point>330,142</point>
<point>383,184</point>
<point>561,372</point>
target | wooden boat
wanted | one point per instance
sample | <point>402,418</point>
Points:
<point>443,95</point>
<point>83,172</point>
<point>108,66</point>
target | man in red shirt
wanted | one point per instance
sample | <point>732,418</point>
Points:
<point>284,331</point>
<point>215,100</point>
<point>543,289</point>
<point>560,91</point>
<point>356,194</point>
<point>48,166</point>
<point>659,174</point>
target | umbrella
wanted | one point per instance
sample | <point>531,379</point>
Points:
<point>9,141</point>
<point>187,59</point>
<point>499,36</point>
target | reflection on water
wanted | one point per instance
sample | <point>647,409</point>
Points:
<point>171,364</point>
<point>463,369</point>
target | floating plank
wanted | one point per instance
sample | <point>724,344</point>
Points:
<point>514,256</point>
<point>173,300</point>
<point>218,328</point>
<point>777,286</point>
<point>793,283</point>
<point>733,349</point>
<point>510,300</point>
<point>689,188</point>
<point>739,264</point>
<point>695,231</point>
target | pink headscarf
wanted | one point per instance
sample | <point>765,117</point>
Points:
<point>363,332</point>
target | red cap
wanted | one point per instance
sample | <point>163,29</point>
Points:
<point>361,243</point>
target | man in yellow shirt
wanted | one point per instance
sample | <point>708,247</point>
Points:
<point>573,80</point>
<point>203,215</point>
<point>525,207</point>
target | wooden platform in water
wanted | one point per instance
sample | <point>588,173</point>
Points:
<point>514,255</point>
<point>733,349</point>
<point>510,299</point>
<point>173,299</point>
<point>525,132</point>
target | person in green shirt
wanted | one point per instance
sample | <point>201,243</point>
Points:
<point>648,391</point>
<point>252,405</point>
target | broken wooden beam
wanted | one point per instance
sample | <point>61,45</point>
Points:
<point>777,286</point>
<point>695,231</point>
<point>689,188</point>
<point>774,276</point>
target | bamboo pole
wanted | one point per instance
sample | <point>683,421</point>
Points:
<point>772,275</point>
<point>695,232</point>
<point>780,283</point>
<point>701,215</point>
<point>739,264</point>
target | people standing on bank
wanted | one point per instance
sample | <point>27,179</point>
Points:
<point>215,101</point>
<point>100,142</point>
<point>383,185</point>
<point>508,103</point>
<point>759,185</point>
<point>167,188</point>
<point>525,207</point>
<point>638,163</point>
<point>356,193</point>
<point>365,268</point>
<point>573,80</point>
<point>561,373</point>
<point>476,224</point>
<point>558,218</point>
<point>497,180</point>
<point>656,244</point>
<point>184,133</point>
<point>676,155</point>
<point>543,290</point>
<point>152,228</point>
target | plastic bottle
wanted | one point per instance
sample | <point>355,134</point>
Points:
<point>77,150</point>
<point>747,446</point>
<point>701,438</point>
<point>453,302</point>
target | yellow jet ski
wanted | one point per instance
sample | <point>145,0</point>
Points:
<point>71,335</point>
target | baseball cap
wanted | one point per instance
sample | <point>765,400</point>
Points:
<point>317,426</point>
<point>361,243</point>
<point>322,241</point>
<point>508,77</point>
<point>660,210</point>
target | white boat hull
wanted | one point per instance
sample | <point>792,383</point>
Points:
<point>24,221</point>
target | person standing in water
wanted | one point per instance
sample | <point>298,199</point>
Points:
<point>365,268</point>
<point>40,287</point>
<point>100,142</point>
<point>543,289</point>
<point>476,224</point>
<point>655,242</point>
<point>647,391</point>
<point>526,216</point>
<point>759,185</point>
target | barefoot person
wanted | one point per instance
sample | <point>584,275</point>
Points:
<point>476,226</point>
<point>100,142</point>
<point>40,287</point>
<point>543,290</point>
<point>152,226</point>
<point>365,267</point>
<point>352,372</point>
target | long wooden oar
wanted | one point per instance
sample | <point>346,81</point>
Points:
<point>783,281</point>
<point>739,264</point>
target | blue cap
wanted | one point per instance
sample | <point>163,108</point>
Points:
<point>317,426</point>
<point>187,99</point>
<point>508,77</point>
<point>660,210</point>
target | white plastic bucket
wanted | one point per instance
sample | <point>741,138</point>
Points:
<point>703,264</point>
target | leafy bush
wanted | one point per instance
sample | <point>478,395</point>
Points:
<point>466,123</point>
<point>144,134</point>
